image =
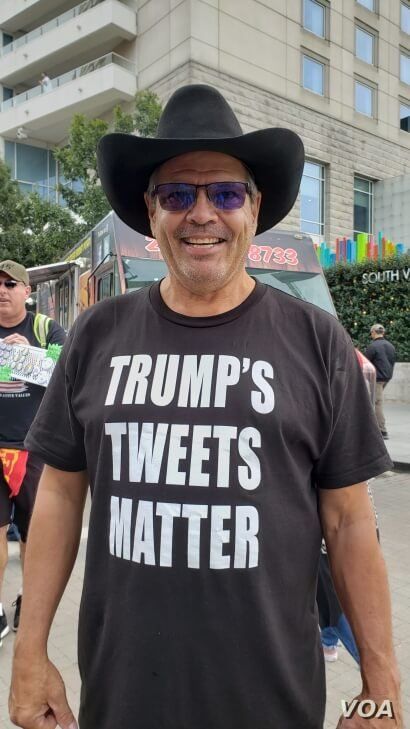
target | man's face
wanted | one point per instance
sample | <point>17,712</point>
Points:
<point>12,300</point>
<point>204,247</point>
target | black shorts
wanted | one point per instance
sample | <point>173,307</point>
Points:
<point>23,503</point>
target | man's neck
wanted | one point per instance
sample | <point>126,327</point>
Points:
<point>13,320</point>
<point>198,304</point>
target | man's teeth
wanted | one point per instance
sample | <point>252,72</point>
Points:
<point>202,241</point>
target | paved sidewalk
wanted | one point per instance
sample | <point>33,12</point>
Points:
<point>398,426</point>
<point>392,498</point>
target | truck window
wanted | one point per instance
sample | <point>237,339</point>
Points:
<point>310,287</point>
<point>105,286</point>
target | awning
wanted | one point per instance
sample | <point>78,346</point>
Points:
<point>49,272</point>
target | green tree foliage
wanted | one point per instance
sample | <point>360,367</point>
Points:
<point>359,305</point>
<point>78,164</point>
<point>10,198</point>
<point>147,113</point>
<point>78,159</point>
<point>32,231</point>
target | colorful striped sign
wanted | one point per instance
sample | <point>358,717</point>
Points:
<point>366,247</point>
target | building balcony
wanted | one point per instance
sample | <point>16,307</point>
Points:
<point>17,14</point>
<point>90,29</point>
<point>93,88</point>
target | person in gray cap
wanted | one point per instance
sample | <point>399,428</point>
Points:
<point>223,426</point>
<point>382,355</point>
<point>19,401</point>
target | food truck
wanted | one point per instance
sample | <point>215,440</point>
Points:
<point>113,259</point>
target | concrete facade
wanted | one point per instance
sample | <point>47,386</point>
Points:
<point>392,209</point>
<point>398,389</point>
<point>252,50</point>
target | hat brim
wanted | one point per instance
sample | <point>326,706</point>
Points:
<point>274,156</point>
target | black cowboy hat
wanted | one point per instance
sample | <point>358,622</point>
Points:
<point>197,118</point>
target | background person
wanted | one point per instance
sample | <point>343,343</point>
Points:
<point>19,401</point>
<point>45,83</point>
<point>382,355</point>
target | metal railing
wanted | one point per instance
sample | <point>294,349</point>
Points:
<point>54,23</point>
<point>65,78</point>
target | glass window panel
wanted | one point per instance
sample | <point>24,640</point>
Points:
<point>313,170</point>
<point>52,170</point>
<point>25,187</point>
<point>361,211</point>
<point>7,93</point>
<point>405,117</point>
<point>313,75</point>
<point>32,164</point>
<point>314,17</point>
<point>363,99</point>
<point>311,199</point>
<point>405,68</point>
<point>9,156</point>
<point>364,45</point>
<point>405,17</point>
<point>361,184</point>
<point>363,202</point>
<point>7,39</point>
<point>369,4</point>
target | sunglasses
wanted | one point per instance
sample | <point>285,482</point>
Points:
<point>9,284</point>
<point>178,196</point>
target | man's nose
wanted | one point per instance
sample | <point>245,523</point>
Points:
<point>202,211</point>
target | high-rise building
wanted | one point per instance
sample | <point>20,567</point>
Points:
<point>336,71</point>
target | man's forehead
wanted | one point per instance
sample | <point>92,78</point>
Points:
<point>5,276</point>
<point>197,162</point>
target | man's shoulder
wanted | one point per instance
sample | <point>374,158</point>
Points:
<point>110,309</point>
<point>301,311</point>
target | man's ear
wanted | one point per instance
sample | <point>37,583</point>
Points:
<point>151,208</point>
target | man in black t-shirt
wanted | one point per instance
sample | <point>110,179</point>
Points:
<point>19,401</point>
<point>382,355</point>
<point>223,427</point>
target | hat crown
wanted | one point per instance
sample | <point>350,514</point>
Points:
<point>198,111</point>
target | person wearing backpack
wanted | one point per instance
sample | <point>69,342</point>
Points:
<point>19,401</point>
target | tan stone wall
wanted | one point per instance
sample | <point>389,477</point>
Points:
<point>344,149</point>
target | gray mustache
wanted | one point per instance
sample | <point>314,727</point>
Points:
<point>204,231</point>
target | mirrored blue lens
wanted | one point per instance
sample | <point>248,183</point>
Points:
<point>175,196</point>
<point>227,195</point>
<point>178,196</point>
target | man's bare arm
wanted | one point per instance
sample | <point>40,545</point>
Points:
<point>52,547</point>
<point>360,578</point>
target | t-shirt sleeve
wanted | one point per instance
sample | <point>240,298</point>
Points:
<point>56,435</point>
<point>355,450</point>
<point>56,334</point>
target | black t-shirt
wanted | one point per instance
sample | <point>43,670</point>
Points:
<point>18,407</point>
<point>205,440</point>
<point>382,354</point>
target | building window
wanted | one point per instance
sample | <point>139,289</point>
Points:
<point>405,17</point>
<point>313,75</point>
<point>312,196</point>
<point>365,45</point>
<point>363,206</point>
<point>404,67</point>
<point>405,117</point>
<point>314,17</point>
<point>34,168</point>
<point>369,4</point>
<point>364,98</point>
